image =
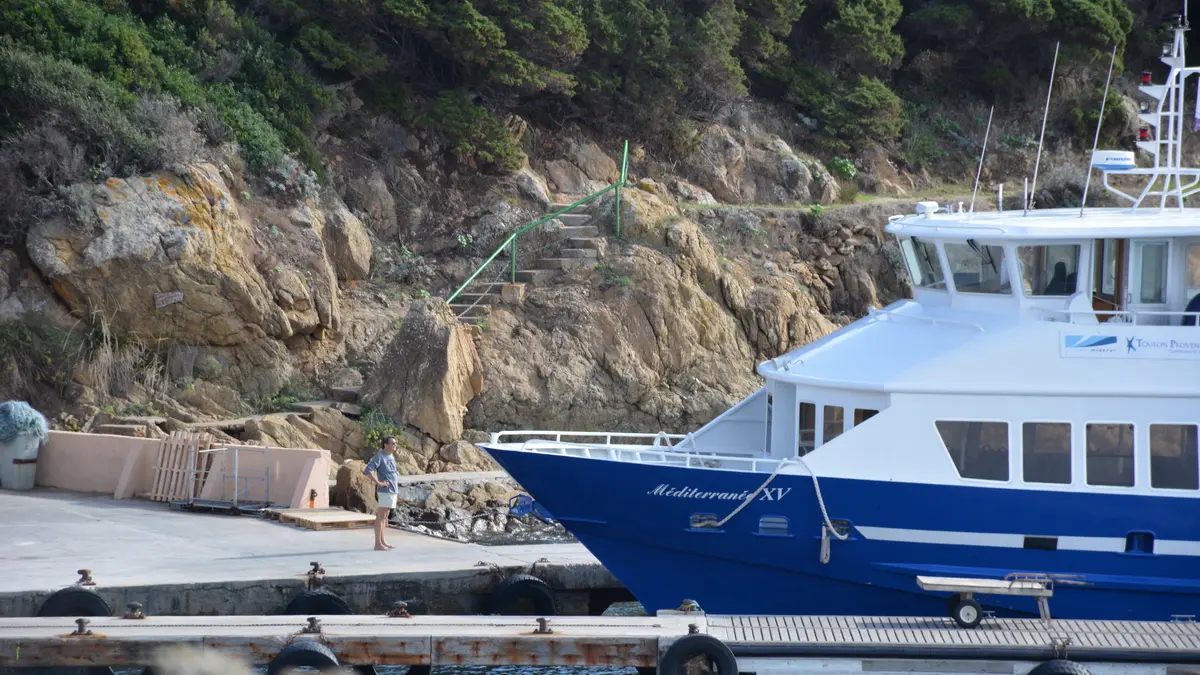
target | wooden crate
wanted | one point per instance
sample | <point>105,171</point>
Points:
<point>180,468</point>
<point>334,518</point>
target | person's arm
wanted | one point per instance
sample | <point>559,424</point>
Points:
<point>372,470</point>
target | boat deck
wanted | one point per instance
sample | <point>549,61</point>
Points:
<point>606,640</point>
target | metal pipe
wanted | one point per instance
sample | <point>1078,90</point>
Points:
<point>1045,114</point>
<point>982,152</point>
<point>1096,141</point>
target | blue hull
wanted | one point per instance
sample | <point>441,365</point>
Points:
<point>635,518</point>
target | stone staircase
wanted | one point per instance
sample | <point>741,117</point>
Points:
<point>579,245</point>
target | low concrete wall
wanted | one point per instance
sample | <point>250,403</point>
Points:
<point>124,467</point>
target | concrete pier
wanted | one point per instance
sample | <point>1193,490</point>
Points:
<point>184,563</point>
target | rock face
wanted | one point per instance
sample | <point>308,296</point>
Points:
<point>755,167</point>
<point>172,257</point>
<point>429,373</point>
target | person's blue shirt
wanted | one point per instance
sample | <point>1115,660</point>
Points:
<point>384,466</point>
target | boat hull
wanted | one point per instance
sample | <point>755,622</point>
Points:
<point>636,519</point>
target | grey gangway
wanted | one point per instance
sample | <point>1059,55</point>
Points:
<point>760,644</point>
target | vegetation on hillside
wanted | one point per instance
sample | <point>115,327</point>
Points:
<point>93,88</point>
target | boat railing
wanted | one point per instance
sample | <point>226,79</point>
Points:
<point>616,438</point>
<point>1119,316</point>
<point>650,455</point>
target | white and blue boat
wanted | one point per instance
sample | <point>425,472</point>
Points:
<point>1032,410</point>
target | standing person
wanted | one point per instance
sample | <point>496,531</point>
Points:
<point>382,469</point>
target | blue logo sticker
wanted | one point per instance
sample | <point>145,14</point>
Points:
<point>1089,341</point>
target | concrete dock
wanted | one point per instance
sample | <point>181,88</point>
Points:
<point>183,563</point>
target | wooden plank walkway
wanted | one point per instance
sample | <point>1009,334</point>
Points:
<point>332,518</point>
<point>587,641</point>
<point>376,640</point>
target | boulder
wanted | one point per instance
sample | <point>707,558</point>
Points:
<point>212,399</point>
<point>371,197</point>
<point>429,373</point>
<point>594,163</point>
<point>347,243</point>
<point>337,433</point>
<point>721,164</point>
<point>569,179</point>
<point>461,456</point>
<point>277,431</point>
<point>354,490</point>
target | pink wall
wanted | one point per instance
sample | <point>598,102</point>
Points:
<point>124,467</point>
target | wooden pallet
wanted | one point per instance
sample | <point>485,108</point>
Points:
<point>334,518</point>
<point>180,466</point>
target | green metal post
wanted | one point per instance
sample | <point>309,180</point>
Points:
<point>621,184</point>
<point>512,262</point>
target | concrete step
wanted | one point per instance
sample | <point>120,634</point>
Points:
<point>488,298</point>
<point>575,219</point>
<point>562,263</point>
<point>575,231</point>
<point>461,310</point>
<point>538,276</point>
<point>578,253</point>
<point>344,394</point>
<point>584,242</point>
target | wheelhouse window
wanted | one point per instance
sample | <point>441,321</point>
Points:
<point>1049,270</point>
<point>1173,457</point>
<point>923,263</point>
<point>863,414</point>
<point>806,442</point>
<point>833,423</point>
<point>1110,454</point>
<point>979,449</point>
<point>978,268</point>
<point>1046,452</point>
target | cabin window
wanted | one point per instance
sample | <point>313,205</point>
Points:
<point>862,415</point>
<point>1049,270</point>
<point>834,421</point>
<point>979,449</point>
<point>978,268</point>
<point>1173,457</point>
<point>806,442</point>
<point>923,263</point>
<point>1046,452</point>
<point>1150,271</point>
<point>1110,454</point>
<point>773,526</point>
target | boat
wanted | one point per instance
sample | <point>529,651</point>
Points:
<point>1030,413</point>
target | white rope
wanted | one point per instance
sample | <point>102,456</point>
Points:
<point>827,527</point>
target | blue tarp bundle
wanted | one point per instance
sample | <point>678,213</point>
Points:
<point>16,417</point>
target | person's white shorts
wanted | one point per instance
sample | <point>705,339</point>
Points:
<point>387,500</point>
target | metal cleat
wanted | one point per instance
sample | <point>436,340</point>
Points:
<point>399,610</point>
<point>135,611</point>
<point>85,578</point>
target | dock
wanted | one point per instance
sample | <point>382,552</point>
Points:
<point>187,564</point>
<point>759,644</point>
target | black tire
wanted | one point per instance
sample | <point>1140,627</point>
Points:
<point>419,670</point>
<point>300,654</point>
<point>967,613</point>
<point>1059,667</point>
<point>524,594</point>
<point>689,646</point>
<point>74,602</point>
<point>316,603</point>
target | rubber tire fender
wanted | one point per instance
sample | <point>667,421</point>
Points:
<point>298,654</point>
<point>315,603</point>
<point>1059,667</point>
<point>693,645</point>
<point>512,590</point>
<point>76,602</point>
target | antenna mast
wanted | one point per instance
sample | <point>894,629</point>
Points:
<point>982,152</point>
<point>1045,114</point>
<point>1099,123</point>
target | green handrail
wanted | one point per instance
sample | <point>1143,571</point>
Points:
<point>511,241</point>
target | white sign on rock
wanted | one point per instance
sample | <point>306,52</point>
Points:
<point>163,299</point>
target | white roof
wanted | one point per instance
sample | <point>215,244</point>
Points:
<point>1107,223</point>
<point>908,347</point>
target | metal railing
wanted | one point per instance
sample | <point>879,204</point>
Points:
<point>650,455</point>
<point>511,242</point>
<point>656,439</point>
<point>1119,316</point>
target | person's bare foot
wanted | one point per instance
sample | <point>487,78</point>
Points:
<point>388,546</point>
<point>381,548</point>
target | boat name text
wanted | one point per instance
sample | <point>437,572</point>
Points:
<point>769,494</point>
